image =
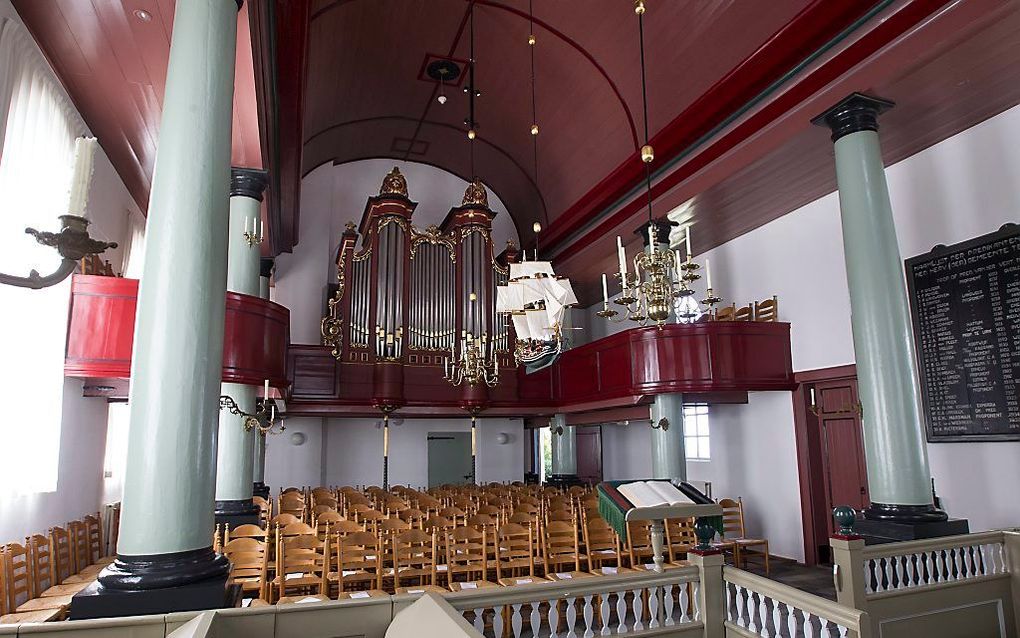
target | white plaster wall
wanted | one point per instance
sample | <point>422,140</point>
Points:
<point>331,196</point>
<point>963,187</point>
<point>354,452</point>
<point>290,465</point>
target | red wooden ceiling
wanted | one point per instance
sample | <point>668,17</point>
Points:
<point>364,92</point>
<point>113,64</point>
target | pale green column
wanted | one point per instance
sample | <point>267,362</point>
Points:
<point>176,365</point>
<point>564,446</point>
<point>897,458</point>
<point>669,458</point>
<point>235,456</point>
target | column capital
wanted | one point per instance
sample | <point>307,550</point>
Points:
<point>240,3</point>
<point>248,182</point>
<point>854,113</point>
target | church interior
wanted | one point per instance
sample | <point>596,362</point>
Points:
<point>499,318</point>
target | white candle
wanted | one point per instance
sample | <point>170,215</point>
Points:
<point>676,253</point>
<point>708,274</point>
<point>81,178</point>
<point>605,291</point>
<point>651,235</point>
<point>688,242</point>
<point>246,220</point>
<point>266,390</point>
<point>621,254</point>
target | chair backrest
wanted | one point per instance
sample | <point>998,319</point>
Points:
<point>94,528</point>
<point>745,313</point>
<point>248,559</point>
<point>414,516</point>
<point>639,542</point>
<point>19,575</point>
<point>327,520</point>
<point>297,529</point>
<point>733,517</point>
<point>359,551</point>
<point>345,527</point>
<point>247,530</point>
<point>679,537</point>
<point>304,554</point>
<point>61,555</point>
<point>414,558</point>
<point>466,553</point>
<point>283,520</point>
<point>726,313</point>
<point>767,310</point>
<point>40,563</point>
<point>601,541</point>
<point>390,526</point>
<point>79,545</point>
<point>560,547</point>
<point>456,515</point>
<point>437,523</point>
<point>515,550</point>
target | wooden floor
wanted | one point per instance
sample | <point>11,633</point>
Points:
<point>815,580</point>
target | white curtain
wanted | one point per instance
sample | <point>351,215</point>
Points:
<point>38,126</point>
<point>134,245</point>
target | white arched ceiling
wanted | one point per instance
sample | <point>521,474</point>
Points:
<point>334,194</point>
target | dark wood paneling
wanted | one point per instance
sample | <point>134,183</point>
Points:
<point>717,359</point>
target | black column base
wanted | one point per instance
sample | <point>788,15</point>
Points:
<point>235,513</point>
<point>260,489</point>
<point>156,584</point>
<point>884,523</point>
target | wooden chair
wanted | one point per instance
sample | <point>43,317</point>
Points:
<point>515,555</point>
<point>767,310</point>
<point>21,588</point>
<point>265,508</point>
<point>745,313</point>
<point>292,505</point>
<point>40,555</point>
<point>249,564</point>
<point>467,557</point>
<point>603,546</point>
<point>413,517</point>
<point>300,565</point>
<point>358,563</point>
<point>639,544</point>
<point>726,313</point>
<point>560,549</point>
<point>680,538</point>
<point>438,523</point>
<point>326,520</point>
<point>455,515</point>
<point>734,533</point>
<point>414,560</point>
<point>81,550</point>
<point>94,527</point>
<point>62,558</point>
<point>7,614</point>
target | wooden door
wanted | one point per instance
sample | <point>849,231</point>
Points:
<point>449,455</point>
<point>589,454</point>
<point>843,467</point>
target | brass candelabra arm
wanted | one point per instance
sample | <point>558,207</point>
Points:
<point>254,421</point>
<point>72,242</point>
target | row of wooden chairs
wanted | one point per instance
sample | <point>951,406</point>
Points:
<point>767,310</point>
<point>38,578</point>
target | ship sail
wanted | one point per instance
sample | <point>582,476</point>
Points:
<point>537,300</point>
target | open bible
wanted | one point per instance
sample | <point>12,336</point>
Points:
<point>654,494</point>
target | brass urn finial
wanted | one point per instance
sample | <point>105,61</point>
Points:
<point>394,184</point>
<point>475,194</point>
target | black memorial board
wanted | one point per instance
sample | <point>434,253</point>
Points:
<point>965,303</point>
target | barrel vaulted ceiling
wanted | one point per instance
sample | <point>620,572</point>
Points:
<point>732,87</point>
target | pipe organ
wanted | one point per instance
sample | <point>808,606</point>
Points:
<point>408,298</point>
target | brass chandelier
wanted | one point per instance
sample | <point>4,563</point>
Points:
<point>476,363</point>
<point>660,285</point>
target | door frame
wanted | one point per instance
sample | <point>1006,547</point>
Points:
<point>810,467</point>
<point>446,435</point>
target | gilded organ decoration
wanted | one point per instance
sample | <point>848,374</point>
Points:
<point>394,184</point>
<point>475,195</point>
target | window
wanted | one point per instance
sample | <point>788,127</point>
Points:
<point>696,432</point>
<point>545,445</point>
<point>37,130</point>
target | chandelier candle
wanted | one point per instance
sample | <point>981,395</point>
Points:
<point>605,292</point>
<point>687,240</point>
<point>708,274</point>
<point>622,255</point>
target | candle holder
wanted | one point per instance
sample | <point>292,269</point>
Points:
<point>265,411</point>
<point>711,299</point>
<point>606,312</point>
<point>72,242</point>
<point>253,238</point>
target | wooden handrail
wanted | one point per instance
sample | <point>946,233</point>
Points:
<point>904,548</point>
<point>853,619</point>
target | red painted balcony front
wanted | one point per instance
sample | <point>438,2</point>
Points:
<point>100,334</point>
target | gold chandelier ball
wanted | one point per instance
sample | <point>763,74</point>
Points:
<point>658,311</point>
<point>639,6</point>
<point>537,227</point>
<point>647,153</point>
<point>471,134</point>
<point>531,39</point>
<point>534,129</point>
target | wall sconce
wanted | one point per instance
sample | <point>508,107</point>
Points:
<point>72,242</point>
<point>298,438</point>
<point>662,424</point>
<point>266,411</point>
<point>255,235</point>
<point>502,438</point>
